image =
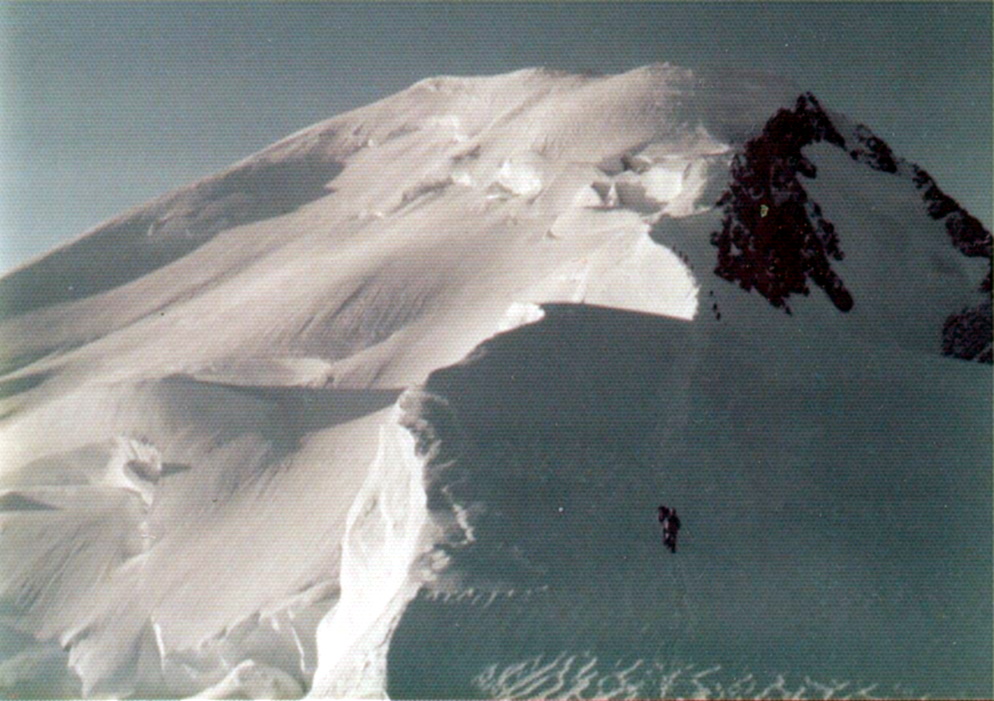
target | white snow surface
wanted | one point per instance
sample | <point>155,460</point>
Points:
<point>385,534</point>
<point>213,483</point>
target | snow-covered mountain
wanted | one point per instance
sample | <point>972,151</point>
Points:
<point>388,408</point>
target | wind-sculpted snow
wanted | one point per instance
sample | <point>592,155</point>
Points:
<point>583,676</point>
<point>143,559</point>
<point>800,557</point>
<point>384,537</point>
<point>389,406</point>
<point>254,681</point>
<point>139,243</point>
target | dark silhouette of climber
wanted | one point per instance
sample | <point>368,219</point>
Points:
<point>671,526</point>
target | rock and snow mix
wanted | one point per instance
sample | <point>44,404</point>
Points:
<point>387,408</point>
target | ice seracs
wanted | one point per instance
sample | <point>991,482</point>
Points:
<point>135,466</point>
<point>520,175</point>
<point>250,680</point>
<point>205,477</point>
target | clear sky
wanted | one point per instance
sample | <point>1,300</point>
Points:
<point>104,106</point>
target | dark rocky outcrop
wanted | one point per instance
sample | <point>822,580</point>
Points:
<point>937,203</point>
<point>967,335</point>
<point>872,151</point>
<point>774,238</point>
<point>965,230</point>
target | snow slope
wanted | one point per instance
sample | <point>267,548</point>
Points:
<point>828,536</point>
<point>387,409</point>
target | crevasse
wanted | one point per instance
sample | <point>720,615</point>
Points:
<point>386,532</point>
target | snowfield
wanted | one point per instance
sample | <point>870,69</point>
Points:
<point>387,408</point>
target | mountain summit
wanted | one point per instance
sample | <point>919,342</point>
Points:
<point>388,408</point>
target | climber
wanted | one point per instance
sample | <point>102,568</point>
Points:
<point>671,526</point>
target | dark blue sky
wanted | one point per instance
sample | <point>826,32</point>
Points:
<point>105,106</point>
